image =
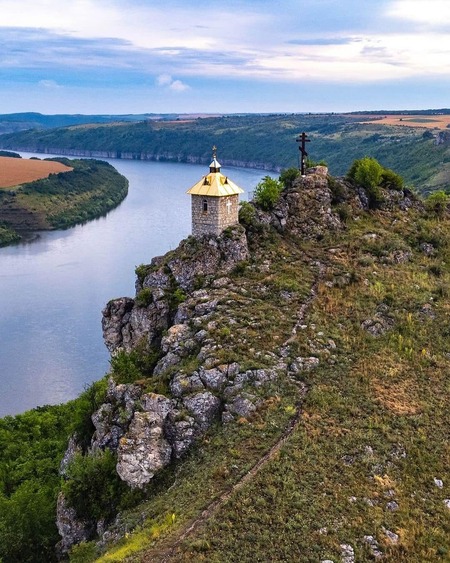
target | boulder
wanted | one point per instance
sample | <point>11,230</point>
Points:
<point>204,408</point>
<point>143,450</point>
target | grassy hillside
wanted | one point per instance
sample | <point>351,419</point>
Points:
<point>365,464</point>
<point>347,454</point>
<point>61,200</point>
<point>259,141</point>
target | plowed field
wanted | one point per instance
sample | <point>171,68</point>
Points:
<point>15,171</point>
<point>426,121</point>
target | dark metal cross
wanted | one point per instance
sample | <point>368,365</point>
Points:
<point>303,139</point>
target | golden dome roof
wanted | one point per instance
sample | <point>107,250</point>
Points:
<point>215,184</point>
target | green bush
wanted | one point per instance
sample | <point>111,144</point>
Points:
<point>267,193</point>
<point>128,367</point>
<point>288,176</point>
<point>391,180</point>
<point>367,172</point>
<point>93,487</point>
<point>246,214</point>
<point>437,203</point>
<point>141,271</point>
<point>144,297</point>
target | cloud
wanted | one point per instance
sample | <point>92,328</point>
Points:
<point>434,13</point>
<point>178,86</point>
<point>327,41</point>
<point>50,84</point>
<point>322,41</point>
<point>166,80</point>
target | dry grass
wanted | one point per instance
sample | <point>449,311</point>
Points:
<point>16,171</point>
<point>398,397</point>
<point>425,121</point>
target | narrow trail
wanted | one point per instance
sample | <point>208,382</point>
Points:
<point>164,555</point>
<point>307,303</point>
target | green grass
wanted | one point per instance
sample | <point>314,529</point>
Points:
<point>374,422</point>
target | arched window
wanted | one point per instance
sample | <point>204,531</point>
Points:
<point>205,206</point>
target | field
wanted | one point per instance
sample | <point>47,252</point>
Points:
<point>15,171</point>
<point>426,121</point>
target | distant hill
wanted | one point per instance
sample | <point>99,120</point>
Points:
<point>420,153</point>
<point>31,120</point>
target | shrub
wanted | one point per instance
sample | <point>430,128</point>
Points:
<point>437,203</point>
<point>144,297</point>
<point>141,271</point>
<point>267,193</point>
<point>288,176</point>
<point>246,214</point>
<point>391,180</point>
<point>93,487</point>
<point>367,172</point>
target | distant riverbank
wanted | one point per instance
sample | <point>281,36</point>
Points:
<point>165,156</point>
<point>88,190</point>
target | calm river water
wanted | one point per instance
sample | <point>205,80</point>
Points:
<point>53,289</point>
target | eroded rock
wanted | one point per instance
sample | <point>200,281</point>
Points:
<point>143,450</point>
<point>71,528</point>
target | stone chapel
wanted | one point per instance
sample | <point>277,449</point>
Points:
<point>215,202</point>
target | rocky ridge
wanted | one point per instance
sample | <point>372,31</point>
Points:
<point>174,316</point>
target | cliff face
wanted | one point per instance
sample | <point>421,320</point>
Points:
<point>163,156</point>
<point>195,316</point>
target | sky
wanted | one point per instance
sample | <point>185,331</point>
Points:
<point>238,56</point>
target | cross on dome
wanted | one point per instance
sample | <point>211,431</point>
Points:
<point>215,165</point>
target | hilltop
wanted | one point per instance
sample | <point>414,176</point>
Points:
<point>416,145</point>
<point>276,393</point>
<point>61,193</point>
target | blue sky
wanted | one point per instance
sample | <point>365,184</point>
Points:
<point>136,56</point>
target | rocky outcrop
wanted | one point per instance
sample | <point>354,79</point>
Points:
<point>128,322</point>
<point>305,210</point>
<point>71,529</point>
<point>144,450</point>
<point>180,299</point>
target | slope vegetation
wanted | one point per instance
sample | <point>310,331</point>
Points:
<point>341,449</point>
<point>295,369</point>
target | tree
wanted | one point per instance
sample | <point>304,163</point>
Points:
<point>267,193</point>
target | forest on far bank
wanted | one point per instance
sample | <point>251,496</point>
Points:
<point>62,200</point>
<point>416,150</point>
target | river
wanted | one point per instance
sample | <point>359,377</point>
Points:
<point>53,289</point>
